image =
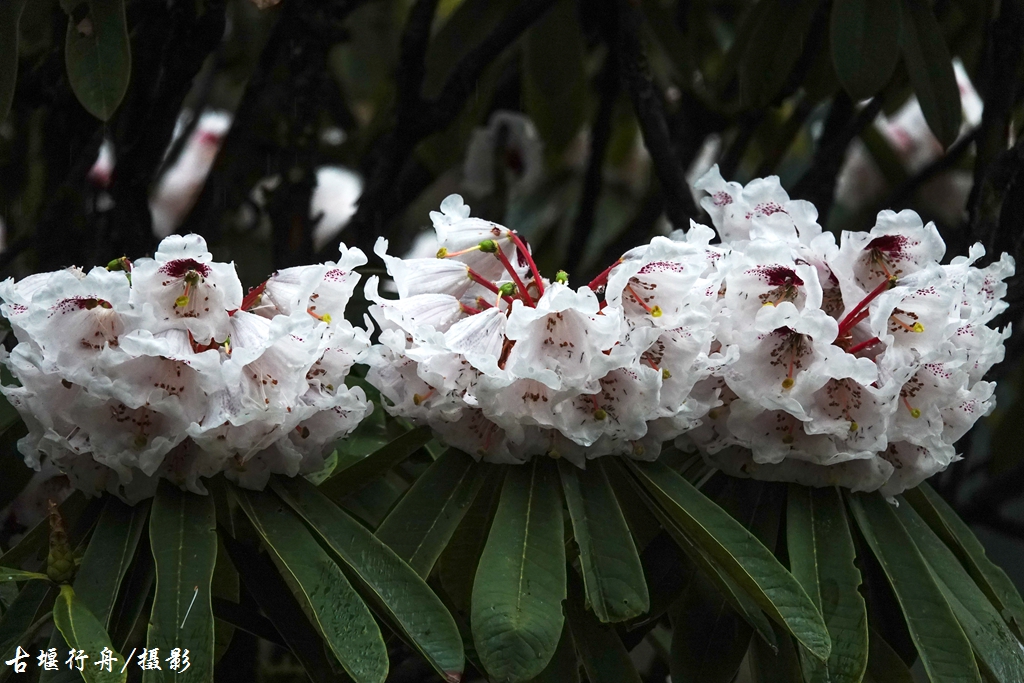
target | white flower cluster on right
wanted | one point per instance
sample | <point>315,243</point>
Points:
<point>858,364</point>
<point>778,354</point>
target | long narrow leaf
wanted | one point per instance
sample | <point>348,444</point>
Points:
<point>931,70</point>
<point>865,44</point>
<point>884,665</point>
<point>351,479</point>
<point>740,601</point>
<point>275,599</point>
<point>563,667</point>
<point>520,580</point>
<point>183,540</point>
<point>740,554</point>
<point>942,645</point>
<point>341,615</point>
<point>822,558</point>
<point>34,600</point>
<point>709,638</point>
<point>98,579</point>
<point>604,657</point>
<point>989,576</point>
<point>993,642</point>
<point>83,631</point>
<point>8,574</point>
<point>612,573</point>
<point>407,599</point>
<point>458,562</point>
<point>420,526</point>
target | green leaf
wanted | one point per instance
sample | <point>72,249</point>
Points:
<point>10,15</point>
<point>993,642</point>
<point>555,88</point>
<point>931,70</point>
<point>135,591</point>
<point>110,551</point>
<point>941,643</point>
<point>739,553</point>
<point>97,54</point>
<point>773,49</point>
<point>354,477</point>
<point>183,540</point>
<point>989,576</point>
<point>604,657</point>
<point>341,615</point>
<point>884,665</point>
<point>420,526</point>
<point>224,586</point>
<point>457,565</point>
<point>274,597</point>
<point>408,600</point>
<point>98,580</point>
<point>563,667</point>
<point>822,558</point>
<point>520,581</point>
<point>740,601</point>
<point>781,665</point>
<point>865,44</point>
<point>34,600</point>
<point>709,638</point>
<point>8,574</point>
<point>83,631</point>
<point>612,573</point>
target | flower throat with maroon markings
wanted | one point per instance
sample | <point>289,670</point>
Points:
<point>777,354</point>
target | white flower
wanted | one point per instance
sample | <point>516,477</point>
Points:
<point>182,287</point>
<point>127,378</point>
<point>761,209</point>
<point>507,365</point>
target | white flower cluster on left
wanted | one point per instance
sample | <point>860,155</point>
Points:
<point>160,368</point>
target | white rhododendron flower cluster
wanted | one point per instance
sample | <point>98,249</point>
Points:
<point>858,364</point>
<point>777,354</point>
<point>161,368</point>
<point>505,364</point>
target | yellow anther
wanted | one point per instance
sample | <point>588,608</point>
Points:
<point>788,439</point>
<point>665,374</point>
<point>787,383</point>
<point>417,399</point>
<point>600,414</point>
<point>140,440</point>
<point>714,413</point>
<point>854,426</point>
<point>181,301</point>
<point>656,312</point>
<point>918,327</point>
<point>442,252</point>
<point>915,413</point>
<point>768,303</point>
<point>554,454</point>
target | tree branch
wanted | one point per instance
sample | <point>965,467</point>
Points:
<point>593,180</point>
<point>1004,60</point>
<point>818,184</point>
<point>416,119</point>
<point>146,121</point>
<point>650,113</point>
